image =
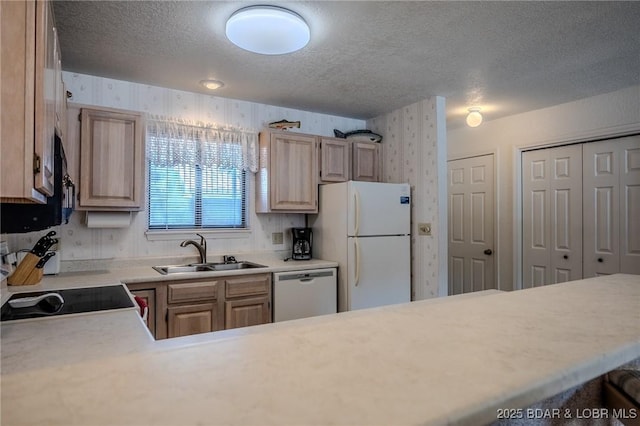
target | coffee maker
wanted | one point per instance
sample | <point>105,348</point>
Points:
<point>302,241</point>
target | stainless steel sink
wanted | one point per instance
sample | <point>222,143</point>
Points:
<point>205,267</point>
<point>175,269</point>
<point>234,266</point>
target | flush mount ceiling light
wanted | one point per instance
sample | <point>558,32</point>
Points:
<point>212,84</point>
<point>268,30</point>
<point>474,119</point>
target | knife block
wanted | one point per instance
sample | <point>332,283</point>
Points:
<point>26,273</point>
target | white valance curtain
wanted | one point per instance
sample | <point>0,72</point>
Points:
<point>176,142</point>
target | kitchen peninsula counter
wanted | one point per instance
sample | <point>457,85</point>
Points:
<point>454,360</point>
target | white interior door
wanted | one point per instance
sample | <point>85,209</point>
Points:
<point>612,206</point>
<point>552,215</point>
<point>471,225</point>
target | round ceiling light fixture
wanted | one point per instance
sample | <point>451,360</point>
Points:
<point>474,119</point>
<point>212,84</point>
<point>267,30</point>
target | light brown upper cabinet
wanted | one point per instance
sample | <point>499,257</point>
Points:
<point>29,78</point>
<point>61,95</point>
<point>335,160</point>
<point>111,160</point>
<point>366,161</point>
<point>287,180</point>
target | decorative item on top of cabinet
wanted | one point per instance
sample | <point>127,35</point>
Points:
<point>111,160</point>
<point>287,180</point>
<point>28,75</point>
<point>335,160</point>
<point>366,161</point>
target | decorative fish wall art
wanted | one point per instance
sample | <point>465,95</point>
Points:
<point>284,124</point>
<point>359,135</point>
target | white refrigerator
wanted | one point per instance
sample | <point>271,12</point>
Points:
<point>365,227</point>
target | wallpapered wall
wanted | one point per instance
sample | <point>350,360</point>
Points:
<point>414,151</point>
<point>79,242</point>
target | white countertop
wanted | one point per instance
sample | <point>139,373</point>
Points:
<point>453,360</point>
<point>102,273</point>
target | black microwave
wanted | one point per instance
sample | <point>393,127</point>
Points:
<point>16,218</point>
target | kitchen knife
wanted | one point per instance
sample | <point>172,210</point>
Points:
<point>44,259</point>
<point>50,242</point>
<point>43,244</point>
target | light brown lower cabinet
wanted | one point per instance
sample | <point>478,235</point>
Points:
<point>247,311</point>
<point>247,301</point>
<point>184,307</point>
<point>185,320</point>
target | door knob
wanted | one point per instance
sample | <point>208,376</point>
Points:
<point>488,252</point>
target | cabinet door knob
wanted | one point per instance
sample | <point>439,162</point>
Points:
<point>600,260</point>
<point>488,252</point>
<point>565,257</point>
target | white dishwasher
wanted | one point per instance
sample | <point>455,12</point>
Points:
<point>301,294</point>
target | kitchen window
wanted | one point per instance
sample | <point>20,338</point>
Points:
<point>197,175</point>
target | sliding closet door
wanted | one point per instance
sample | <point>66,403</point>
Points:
<point>630,206</point>
<point>612,206</point>
<point>552,215</point>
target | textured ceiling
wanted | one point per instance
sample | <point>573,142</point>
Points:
<point>368,58</point>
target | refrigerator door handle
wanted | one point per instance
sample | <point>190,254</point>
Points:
<point>356,211</point>
<point>357,248</point>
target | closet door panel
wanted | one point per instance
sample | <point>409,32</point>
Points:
<point>600,183</point>
<point>552,219</point>
<point>566,213</point>
<point>535,218</point>
<point>612,206</point>
<point>630,206</point>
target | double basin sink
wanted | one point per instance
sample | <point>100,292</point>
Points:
<point>206,267</point>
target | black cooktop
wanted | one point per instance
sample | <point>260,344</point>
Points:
<point>76,300</point>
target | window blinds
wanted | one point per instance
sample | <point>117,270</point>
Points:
<point>197,175</point>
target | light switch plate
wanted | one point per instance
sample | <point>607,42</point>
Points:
<point>424,229</point>
<point>276,238</point>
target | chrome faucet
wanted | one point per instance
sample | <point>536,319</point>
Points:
<point>202,247</point>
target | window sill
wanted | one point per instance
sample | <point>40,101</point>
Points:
<point>184,234</point>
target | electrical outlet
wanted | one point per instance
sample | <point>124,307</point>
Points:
<point>424,229</point>
<point>277,238</point>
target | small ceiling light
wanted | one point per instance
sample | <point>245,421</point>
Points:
<point>268,30</point>
<point>474,119</point>
<point>212,84</point>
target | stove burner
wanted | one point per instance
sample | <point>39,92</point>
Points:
<point>76,300</point>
